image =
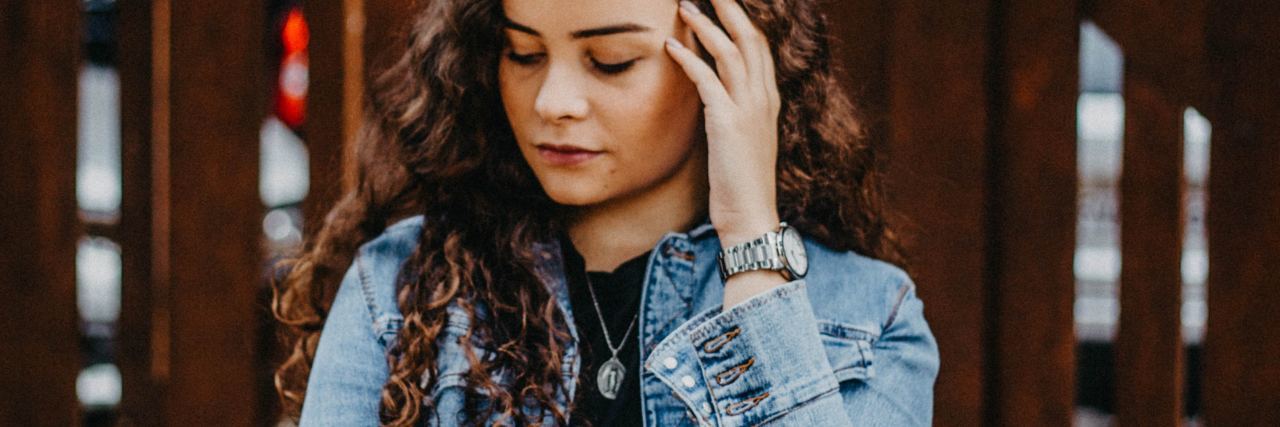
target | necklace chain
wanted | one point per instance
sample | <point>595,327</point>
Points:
<point>603,326</point>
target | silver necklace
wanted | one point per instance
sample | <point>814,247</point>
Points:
<point>609,376</point>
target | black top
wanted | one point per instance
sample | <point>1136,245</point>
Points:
<point>618,293</point>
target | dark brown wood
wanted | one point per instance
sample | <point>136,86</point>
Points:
<point>141,385</point>
<point>1241,370</point>
<point>334,99</point>
<point>1163,42</point>
<point>1148,357</point>
<point>860,45</point>
<point>1033,212</point>
<point>938,135</point>
<point>860,31</point>
<point>39,357</point>
<point>351,42</point>
<point>385,32</point>
<point>206,180</point>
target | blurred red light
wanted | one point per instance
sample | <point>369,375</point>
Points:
<point>291,88</point>
<point>296,35</point>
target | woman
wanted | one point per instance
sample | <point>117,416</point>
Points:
<point>588,229</point>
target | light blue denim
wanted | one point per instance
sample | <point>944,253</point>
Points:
<point>846,345</point>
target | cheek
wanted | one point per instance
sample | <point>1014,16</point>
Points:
<point>514,99</point>
<point>519,91</point>
<point>660,113</point>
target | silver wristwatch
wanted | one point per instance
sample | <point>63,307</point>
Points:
<point>780,250</point>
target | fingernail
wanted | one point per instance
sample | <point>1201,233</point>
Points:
<point>673,42</point>
<point>688,6</point>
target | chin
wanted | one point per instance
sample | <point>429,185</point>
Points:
<point>568,194</point>
<point>568,188</point>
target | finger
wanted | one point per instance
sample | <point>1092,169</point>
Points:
<point>770,79</point>
<point>710,89</point>
<point>749,39</point>
<point>767,75</point>
<point>729,59</point>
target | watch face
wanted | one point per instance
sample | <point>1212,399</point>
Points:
<point>793,246</point>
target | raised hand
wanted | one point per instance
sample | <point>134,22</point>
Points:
<point>741,101</point>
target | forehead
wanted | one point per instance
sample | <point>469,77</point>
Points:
<point>558,18</point>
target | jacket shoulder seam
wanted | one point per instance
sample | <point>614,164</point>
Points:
<point>904,288</point>
<point>366,290</point>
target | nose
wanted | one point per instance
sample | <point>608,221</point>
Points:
<point>562,96</point>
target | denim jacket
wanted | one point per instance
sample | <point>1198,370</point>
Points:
<point>846,345</point>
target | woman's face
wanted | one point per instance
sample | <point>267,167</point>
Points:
<point>599,110</point>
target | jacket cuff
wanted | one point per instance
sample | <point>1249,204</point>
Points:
<point>749,364</point>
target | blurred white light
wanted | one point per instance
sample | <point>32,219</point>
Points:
<point>1196,131</point>
<point>1097,264</point>
<point>1194,314</point>
<point>1195,267</point>
<point>98,179</point>
<point>1101,116</point>
<point>294,77</point>
<point>284,170</point>
<point>1101,60</point>
<point>1097,310</point>
<point>1100,131</point>
<point>279,226</point>
<point>1096,317</point>
<point>99,385</point>
<point>98,273</point>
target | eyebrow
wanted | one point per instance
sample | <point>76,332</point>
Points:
<point>582,34</point>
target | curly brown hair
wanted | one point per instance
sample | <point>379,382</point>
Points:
<point>438,144</point>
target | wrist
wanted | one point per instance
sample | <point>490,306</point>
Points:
<point>747,229</point>
<point>743,286</point>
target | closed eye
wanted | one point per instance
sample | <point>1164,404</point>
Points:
<point>606,68</point>
<point>523,59</point>
<point>617,68</point>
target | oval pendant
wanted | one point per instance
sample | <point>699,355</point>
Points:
<point>609,378</point>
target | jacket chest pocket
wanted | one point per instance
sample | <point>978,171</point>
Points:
<point>451,389</point>
<point>849,350</point>
<point>453,364</point>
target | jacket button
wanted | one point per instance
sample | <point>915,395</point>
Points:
<point>670,362</point>
<point>715,344</point>
<point>688,381</point>
<point>730,375</point>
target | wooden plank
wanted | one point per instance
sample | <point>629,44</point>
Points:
<point>1242,338</point>
<point>141,384</point>
<point>1033,211</point>
<point>938,129</point>
<point>208,207</point>
<point>860,31</point>
<point>386,32</point>
<point>1149,353</point>
<point>334,99</point>
<point>351,42</point>
<point>1163,41</point>
<point>39,357</point>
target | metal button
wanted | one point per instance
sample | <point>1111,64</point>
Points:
<point>688,381</point>
<point>706,407</point>
<point>670,362</point>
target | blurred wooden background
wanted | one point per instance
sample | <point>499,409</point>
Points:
<point>976,105</point>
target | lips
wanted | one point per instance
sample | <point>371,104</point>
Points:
<point>566,155</point>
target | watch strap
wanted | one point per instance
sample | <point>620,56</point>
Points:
<point>761,253</point>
